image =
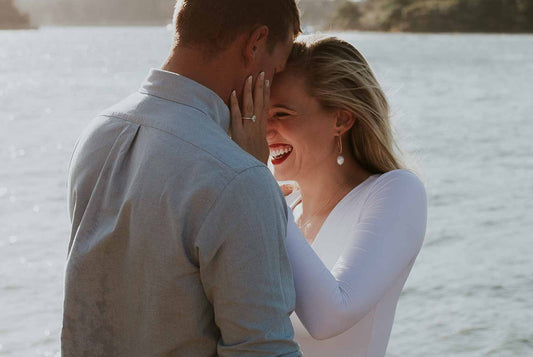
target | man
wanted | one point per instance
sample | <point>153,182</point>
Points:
<point>177,244</point>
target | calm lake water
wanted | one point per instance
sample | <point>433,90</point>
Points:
<point>463,109</point>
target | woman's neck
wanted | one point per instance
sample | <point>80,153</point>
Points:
<point>322,190</point>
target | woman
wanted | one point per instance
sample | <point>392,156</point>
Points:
<point>359,217</point>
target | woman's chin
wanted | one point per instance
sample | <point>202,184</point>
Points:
<point>283,168</point>
<point>280,175</point>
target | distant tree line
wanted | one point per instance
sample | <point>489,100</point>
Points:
<point>315,13</point>
<point>11,17</point>
<point>99,12</point>
<point>374,15</point>
<point>435,15</point>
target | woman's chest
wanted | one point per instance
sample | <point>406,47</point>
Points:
<point>332,236</point>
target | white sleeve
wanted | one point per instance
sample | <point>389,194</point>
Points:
<point>385,241</point>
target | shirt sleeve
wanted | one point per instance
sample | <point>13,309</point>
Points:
<point>245,269</point>
<point>385,240</point>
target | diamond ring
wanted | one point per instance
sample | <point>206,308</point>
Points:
<point>252,118</point>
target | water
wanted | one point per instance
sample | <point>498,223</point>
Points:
<point>463,109</point>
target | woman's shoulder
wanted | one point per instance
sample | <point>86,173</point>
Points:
<point>400,183</point>
<point>398,196</point>
<point>399,177</point>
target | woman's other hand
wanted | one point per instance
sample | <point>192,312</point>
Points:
<point>248,129</point>
<point>286,188</point>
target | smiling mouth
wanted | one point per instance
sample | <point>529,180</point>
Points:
<point>279,153</point>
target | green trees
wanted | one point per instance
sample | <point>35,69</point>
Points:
<point>376,15</point>
<point>437,15</point>
<point>347,16</point>
<point>525,10</point>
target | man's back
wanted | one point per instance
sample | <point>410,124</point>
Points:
<point>177,239</point>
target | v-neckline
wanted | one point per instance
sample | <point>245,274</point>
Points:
<point>298,201</point>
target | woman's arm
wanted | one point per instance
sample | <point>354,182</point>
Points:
<point>386,239</point>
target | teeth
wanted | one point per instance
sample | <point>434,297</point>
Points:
<point>280,151</point>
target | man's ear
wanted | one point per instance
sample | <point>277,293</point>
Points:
<point>344,121</point>
<point>255,44</point>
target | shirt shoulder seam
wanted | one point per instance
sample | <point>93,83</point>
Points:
<point>174,101</point>
<point>221,192</point>
<point>126,118</point>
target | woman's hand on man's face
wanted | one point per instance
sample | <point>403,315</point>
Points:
<point>248,129</point>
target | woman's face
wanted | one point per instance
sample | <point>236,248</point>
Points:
<point>300,133</point>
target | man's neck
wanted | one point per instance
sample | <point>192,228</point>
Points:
<point>213,73</point>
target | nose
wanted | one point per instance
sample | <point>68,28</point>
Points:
<point>271,128</point>
<point>271,134</point>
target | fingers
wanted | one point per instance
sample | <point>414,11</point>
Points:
<point>249,134</point>
<point>287,189</point>
<point>236,117</point>
<point>258,95</point>
<point>266,99</point>
<point>247,98</point>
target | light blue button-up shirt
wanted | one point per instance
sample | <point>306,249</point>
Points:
<point>177,244</point>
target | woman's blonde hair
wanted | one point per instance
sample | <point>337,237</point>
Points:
<point>339,77</point>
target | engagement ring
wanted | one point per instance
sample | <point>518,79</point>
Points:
<point>252,118</point>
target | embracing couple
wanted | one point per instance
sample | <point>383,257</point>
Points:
<point>183,242</point>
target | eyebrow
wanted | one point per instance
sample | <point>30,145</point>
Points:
<point>281,106</point>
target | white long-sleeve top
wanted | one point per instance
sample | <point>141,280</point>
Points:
<point>349,280</point>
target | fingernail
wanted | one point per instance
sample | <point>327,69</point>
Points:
<point>234,94</point>
<point>250,79</point>
<point>262,75</point>
<point>267,83</point>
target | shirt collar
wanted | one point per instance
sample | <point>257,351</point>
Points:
<point>180,89</point>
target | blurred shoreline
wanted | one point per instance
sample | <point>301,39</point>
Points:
<point>305,32</point>
<point>12,19</point>
<point>390,16</point>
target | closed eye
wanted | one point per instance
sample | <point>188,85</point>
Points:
<point>281,115</point>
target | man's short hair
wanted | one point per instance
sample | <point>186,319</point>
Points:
<point>214,24</point>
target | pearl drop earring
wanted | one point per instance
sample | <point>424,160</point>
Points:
<point>340,158</point>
